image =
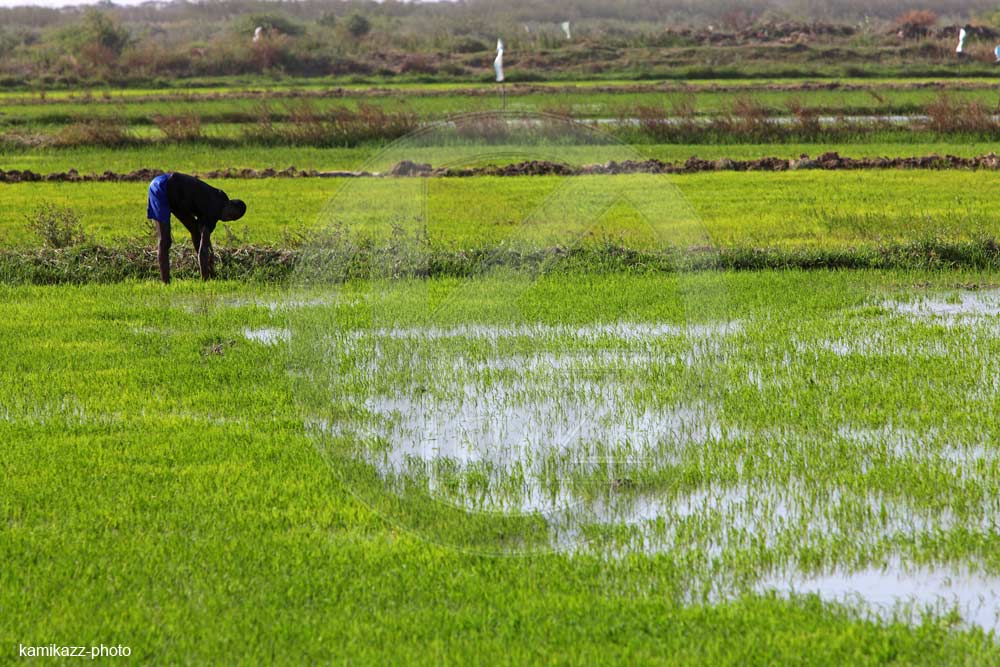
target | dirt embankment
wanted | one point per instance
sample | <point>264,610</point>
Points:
<point>143,175</point>
<point>408,169</point>
<point>826,161</point>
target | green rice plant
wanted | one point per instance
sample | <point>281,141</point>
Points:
<point>203,157</point>
<point>858,402</point>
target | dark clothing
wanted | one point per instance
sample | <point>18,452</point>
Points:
<point>194,200</point>
<point>198,206</point>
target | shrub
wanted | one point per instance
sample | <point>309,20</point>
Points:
<point>746,118</point>
<point>946,115</point>
<point>271,50</point>
<point>680,122</point>
<point>358,25</point>
<point>308,127</point>
<point>98,39</point>
<point>916,22</point>
<point>370,123</point>
<point>57,226</point>
<point>270,22</point>
<point>417,63</point>
<point>97,132</point>
<point>183,127</point>
<point>469,45</point>
<point>736,20</point>
<point>806,120</point>
<point>99,29</point>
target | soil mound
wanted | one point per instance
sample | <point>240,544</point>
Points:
<point>407,169</point>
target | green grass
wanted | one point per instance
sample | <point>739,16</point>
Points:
<point>582,103</point>
<point>225,121</point>
<point>194,87</point>
<point>786,210</point>
<point>161,495</point>
<point>26,113</point>
<point>187,158</point>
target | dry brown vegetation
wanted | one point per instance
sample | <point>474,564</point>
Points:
<point>345,127</point>
<point>95,132</point>
<point>946,115</point>
<point>179,128</point>
<point>315,38</point>
<point>916,22</point>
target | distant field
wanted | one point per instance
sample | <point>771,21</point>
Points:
<point>234,85</point>
<point>226,111</point>
<point>202,158</point>
<point>582,103</point>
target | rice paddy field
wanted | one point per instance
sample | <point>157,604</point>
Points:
<point>598,100</point>
<point>833,209</point>
<point>202,158</point>
<point>456,457</point>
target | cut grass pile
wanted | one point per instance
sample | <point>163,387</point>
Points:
<point>163,464</point>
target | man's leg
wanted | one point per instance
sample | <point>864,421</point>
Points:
<point>201,239</point>
<point>198,234</point>
<point>195,237</point>
<point>206,262</point>
<point>158,210</point>
<point>207,233</point>
<point>163,249</point>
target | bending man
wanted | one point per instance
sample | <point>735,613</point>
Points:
<point>198,206</point>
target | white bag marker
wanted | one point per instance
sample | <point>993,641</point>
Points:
<point>498,63</point>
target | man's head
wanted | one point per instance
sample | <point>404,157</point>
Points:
<point>234,210</point>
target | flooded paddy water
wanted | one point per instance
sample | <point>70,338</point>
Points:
<point>843,450</point>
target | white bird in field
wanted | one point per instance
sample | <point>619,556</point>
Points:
<point>961,41</point>
<point>565,27</point>
<point>257,33</point>
<point>498,63</point>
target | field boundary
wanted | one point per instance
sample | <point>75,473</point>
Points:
<point>340,259</point>
<point>99,96</point>
<point>408,169</point>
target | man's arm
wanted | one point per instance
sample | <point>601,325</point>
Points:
<point>163,250</point>
<point>205,263</point>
